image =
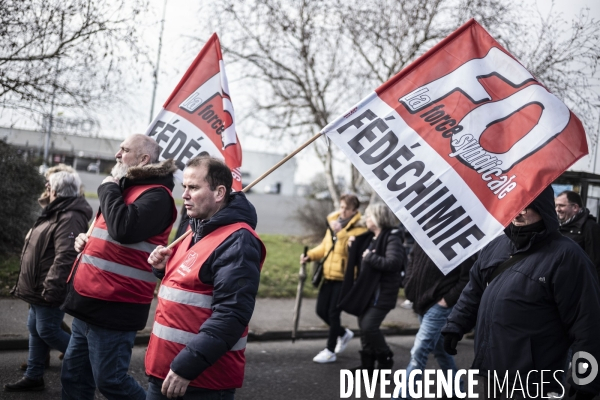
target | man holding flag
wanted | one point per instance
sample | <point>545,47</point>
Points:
<point>533,295</point>
<point>111,285</point>
<point>208,290</point>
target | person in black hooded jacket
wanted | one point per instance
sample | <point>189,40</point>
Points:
<point>530,313</point>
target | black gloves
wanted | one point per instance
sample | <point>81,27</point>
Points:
<point>450,342</point>
<point>579,395</point>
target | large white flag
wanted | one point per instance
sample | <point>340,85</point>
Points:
<point>460,142</point>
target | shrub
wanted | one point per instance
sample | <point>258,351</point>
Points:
<point>313,218</point>
<point>20,187</point>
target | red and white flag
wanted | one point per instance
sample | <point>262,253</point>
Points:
<point>198,116</point>
<point>459,142</point>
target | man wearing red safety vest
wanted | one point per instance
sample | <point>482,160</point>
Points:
<point>111,285</point>
<point>208,290</point>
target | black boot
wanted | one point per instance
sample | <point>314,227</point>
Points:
<point>25,384</point>
<point>367,361</point>
<point>385,360</point>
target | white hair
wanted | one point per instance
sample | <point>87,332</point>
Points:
<point>65,183</point>
<point>382,216</point>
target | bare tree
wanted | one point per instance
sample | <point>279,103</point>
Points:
<point>66,52</point>
<point>309,60</point>
<point>564,56</point>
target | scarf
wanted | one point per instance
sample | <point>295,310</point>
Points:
<point>197,227</point>
<point>572,218</point>
<point>522,235</point>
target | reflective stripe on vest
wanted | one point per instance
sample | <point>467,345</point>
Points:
<point>185,297</point>
<point>183,337</point>
<point>112,271</point>
<point>184,305</point>
<point>100,233</point>
<point>119,269</point>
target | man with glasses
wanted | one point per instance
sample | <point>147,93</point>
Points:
<point>533,295</point>
<point>578,224</point>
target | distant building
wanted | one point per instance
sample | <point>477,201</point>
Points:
<point>91,153</point>
<point>281,181</point>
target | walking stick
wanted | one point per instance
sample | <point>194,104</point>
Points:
<point>298,305</point>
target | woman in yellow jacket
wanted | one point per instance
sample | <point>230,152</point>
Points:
<point>344,223</point>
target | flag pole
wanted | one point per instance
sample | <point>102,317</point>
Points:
<point>280,163</point>
<point>260,178</point>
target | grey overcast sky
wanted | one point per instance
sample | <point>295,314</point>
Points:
<point>183,18</point>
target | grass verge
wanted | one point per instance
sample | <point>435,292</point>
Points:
<point>9,272</point>
<point>279,276</point>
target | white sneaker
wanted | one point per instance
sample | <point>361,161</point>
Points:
<point>342,342</point>
<point>325,356</point>
<point>407,304</point>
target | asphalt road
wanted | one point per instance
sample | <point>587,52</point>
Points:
<point>274,370</point>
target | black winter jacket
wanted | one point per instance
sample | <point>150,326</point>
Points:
<point>585,231</point>
<point>149,215</point>
<point>378,274</point>
<point>234,271</point>
<point>425,284</point>
<point>48,252</point>
<point>529,315</point>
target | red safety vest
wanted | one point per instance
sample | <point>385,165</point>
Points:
<point>112,271</point>
<point>184,304</point>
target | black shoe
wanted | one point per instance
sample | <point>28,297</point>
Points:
<point>25,384</point>
<point>385,360</point>
<point>367,361</point>
<point>23,366</point>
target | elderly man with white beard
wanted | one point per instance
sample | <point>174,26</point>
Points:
<point>111,284</point>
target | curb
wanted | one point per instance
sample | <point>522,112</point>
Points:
<point>269,336</point>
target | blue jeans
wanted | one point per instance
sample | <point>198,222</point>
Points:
<point>99,357</point>
<point>44,333</point>
<point>429,339</point>
<point>192,393</point>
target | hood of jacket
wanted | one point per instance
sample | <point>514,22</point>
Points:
<point>239,209</point>
<point>543,204</point>
<point>63,204</point>
<point>151,174</point>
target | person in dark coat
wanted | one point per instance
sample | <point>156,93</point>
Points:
<point>377,259</point>
<point>528,316</point>
<point>231,271</point>
<point>433,295</point>
<point>46,261</point>
<point>578,224</point>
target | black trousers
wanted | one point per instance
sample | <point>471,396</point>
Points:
<point>327,310</point>
<point>371,339</point>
